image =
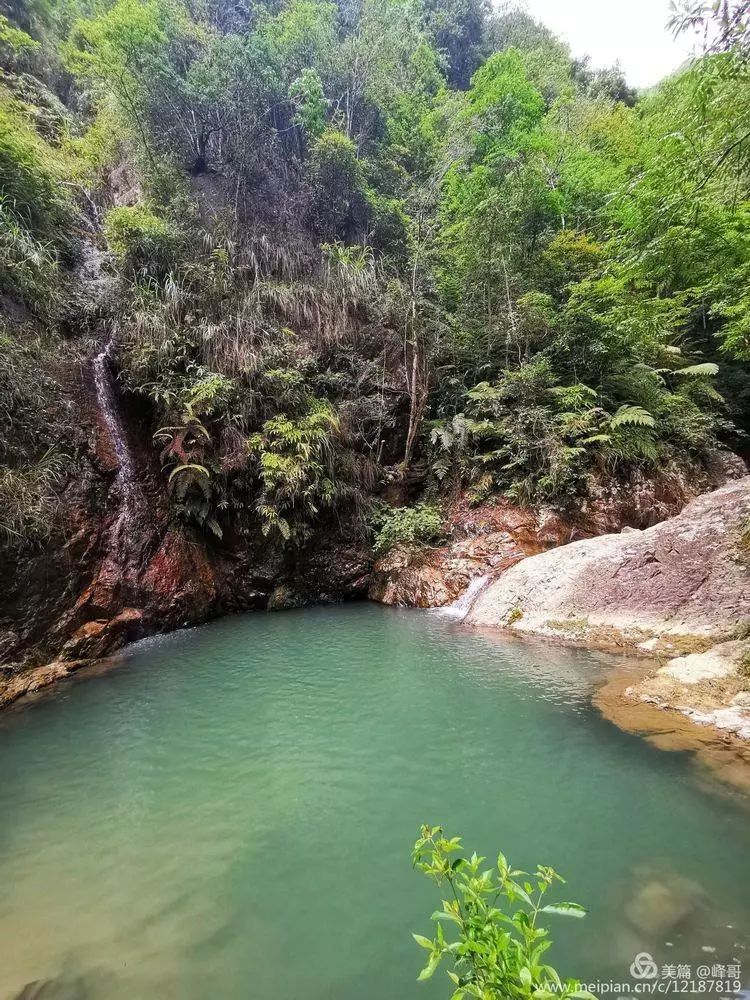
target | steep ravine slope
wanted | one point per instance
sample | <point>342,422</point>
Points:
<point>123,566</point>
<point>117,563</point>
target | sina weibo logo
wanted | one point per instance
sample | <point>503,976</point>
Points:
<point>644,966</point>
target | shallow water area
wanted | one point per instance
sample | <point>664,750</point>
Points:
<point>229,812</point>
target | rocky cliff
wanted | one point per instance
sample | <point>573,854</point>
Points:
<point>120,566</point>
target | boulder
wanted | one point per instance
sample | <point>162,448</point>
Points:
<point>679,591</point>
<point>685,581</point>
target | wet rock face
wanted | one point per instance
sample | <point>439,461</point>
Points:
<point>92,592</point>
<point>114,582</point>
<point>689,577</point>
<point>161,578</point>
<point>415,578</point>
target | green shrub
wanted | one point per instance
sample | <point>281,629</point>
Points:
<point>96,151</point>
<point>29,270</point>
<point>35,217</point>
<point>14,41</point>
<point>418,525</point>
<point>308,97</point>
<point>147,245</point>
<point>30,501</point>
<point>390,223</point>
<point>494,913</point>
<point>339,200</point>
<point>28,181</point>
<point>335,159</point>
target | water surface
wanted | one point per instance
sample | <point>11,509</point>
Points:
<point>229,813</point>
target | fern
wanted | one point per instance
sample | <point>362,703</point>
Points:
<point>632,416</point>
<point>708,368</point>
<point>213,525</point>
<point>201,470</point>
<point>293,459</point>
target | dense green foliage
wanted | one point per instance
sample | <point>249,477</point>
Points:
<point>493,914</point>
<point>416,525</point>
<point>305,200</point>
<point>591,266</point>
<point>35,215</point>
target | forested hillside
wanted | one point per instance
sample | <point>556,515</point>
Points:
<point>332,253</point>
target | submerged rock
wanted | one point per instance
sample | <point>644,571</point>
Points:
<point>707,687</point>
<point>675,918</point>
<point>52,989</point>
<point>15,684</point>
<point>663,903</point>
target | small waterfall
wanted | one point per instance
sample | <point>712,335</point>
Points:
<point>96,287</point>
<point>462,605</point>
<point>128,486</point>
<point>105,395</point>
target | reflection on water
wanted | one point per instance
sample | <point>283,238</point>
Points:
<point>230,813</point>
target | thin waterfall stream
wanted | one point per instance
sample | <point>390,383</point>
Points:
<point>127,483</point>
<point>462,605</point>
<point>127,479</point>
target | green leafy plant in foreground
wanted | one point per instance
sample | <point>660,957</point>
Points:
<point>494,913</point>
